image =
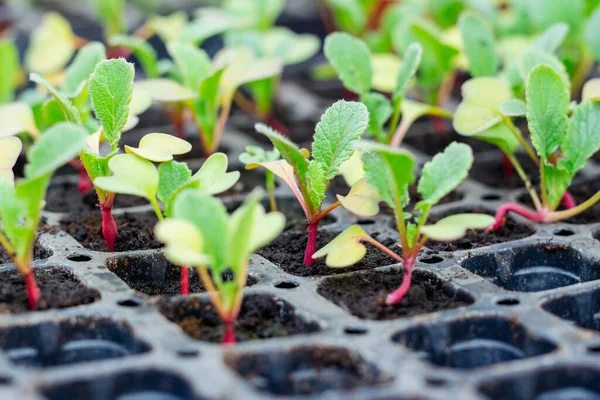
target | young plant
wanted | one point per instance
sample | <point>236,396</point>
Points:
<point>135,174</point>
<point>341,126</point>
<point>258,155</point>
<point>10,70</point>
<point>21,203</point>
<point>390,172</point>
<point>353,61</point>
<point>201,234</point>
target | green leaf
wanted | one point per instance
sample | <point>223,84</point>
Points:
<point>380,111</point>
<point>479,43</point>
<point>350,15</point>
<point>96,166</point>
<point>591,90</point>
<point>362,200</point>
<point>17,118</point>
<point>111,89</point>
<point>172,176</point>
<point>71,113</point>
<point>456,226</point>
<point>547,108</point>
<point>52,45</point>
<point>184,244</point>
<point>346,249</point>
<point>316,183</point>
<point>408,69</point>
<point>209,216</point>
<point>351,59</point>
<point>55,147</point>
<point>500,135</point>
<point>352,169</point>
<point>445,172</point>
<point>592,34</point>
<point>557,181</point>
<point>10,149</point>
<point>583,136</point>
<point>288,150</point>
<point>159,147</point>
<point>213,178</point>
<point>256,154</point>
<point>169,27</point>
<point>166,90</point>
<point>335,135</point>
<point>513,108</point>
<point>112,14</point>
<point>385,68</point>
<point>143,51</point>
<point>551,39</point>
<point>9,70</point>
<point>82,67</point>
<point>131,175</point>
<point>193,63</point>
<point>533,58</point>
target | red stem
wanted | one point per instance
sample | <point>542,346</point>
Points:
<point>399,293</point>
<point>507,167</point>
<point>439,124</point>
<point>349,95</point>
<point>32,289</point>
<point>277,125</point>
<point>84,185</point>
<point>311,244</point>
<point>109,227</point>
<point>535,216</point>
<point>118,52</point>
<point>229,334</point>
<point>568,201</point>
<point>185,280</point>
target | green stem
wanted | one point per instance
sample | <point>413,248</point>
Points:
<point>422,220</point>
<point>534,197</point>
<point>521,140</point>
<point>157,209</point>
<point>399,214</point>
<point>394,121</point>
<point>271,190</point>
<point>543,188</point>
<point>555,216</point>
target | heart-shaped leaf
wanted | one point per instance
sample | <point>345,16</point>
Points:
<point>362,200</point>
<point>456,226</point>
<point>591,90</point>
<point>183,242</point>
<point>131,175</point>
<point>52,45</point>
<point>346,249</point>
<point>351,58</point>
<point>10,149</point>
<point>169,27</point>
<point>352,169</point>
<point>17,118</point>
<point>159,147</point>
<point>213,178</point>
<point>385,67</point>
<point>165,90</point>
<point>513,108</point>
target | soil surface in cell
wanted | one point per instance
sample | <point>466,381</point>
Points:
<point>65,198</point>
<point>363,294</point>
<point>135,230</point>
<point>287,252</point>
<point>432,143</point>
<point>510,230</point>
<point>261,317</point>
<point>59,289</point>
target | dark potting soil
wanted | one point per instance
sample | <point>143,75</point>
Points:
<point>296,130</point>
<point>510,230</point>
<point>432,143</point>
<point>261,317</point>
<point>363,294</point>
<point>136,230</point>
<point>59,289</point>
<point>491,172</point>
<point>287,252</point>
<point>65,198</point>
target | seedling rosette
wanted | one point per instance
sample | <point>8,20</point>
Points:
<point>201,234</point>
<point>341,126</point>
<point>389,172</point>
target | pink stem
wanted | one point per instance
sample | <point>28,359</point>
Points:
<point>118,52</point>
<point>109,227</point>
<point>185,282</point>
<point>568,201</point>
<point>507,167</point>
<point>311,244</point>
<point>349,95</point>
<point>535,216</point>
<point>439,124</point>
<point>399,293</point>
<point>32,289</point>
<point>229,334</point>
<point>277,125</point>
<point>85,183</point>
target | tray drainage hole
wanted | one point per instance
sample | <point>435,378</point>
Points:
<point>564,232</point>
<point>436,381</point>
<point>508,301</point>
<point>286,285</point>
<point>79,258</point>
<point>490,197</point>
<point>188,353</point>
<point>594,348</point>
<point>366,221</point>
<point>432,260</point>
<point>355,330</point>
<point>5,380</point>
<point>130,302</point>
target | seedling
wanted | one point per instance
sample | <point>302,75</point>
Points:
<point>21,204</point>
<point>10,71</point>
<point>390,172</point>
<point>562,144</point>
<point>352,60</point>
<point>135,174</point>
<point>335,135</point>
<point>202,235</point>
<point>257,155</point>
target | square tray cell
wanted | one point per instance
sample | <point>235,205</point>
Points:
<point>534,268</point>
<point>472,342</point>
<point>128,385</point>
<point>70,341</point>
<point>306,370</point>
<point>582,308</point>
<point>557,383</point>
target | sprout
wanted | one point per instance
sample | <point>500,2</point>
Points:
<point>21,203</point>
<point>201,234</point>
<point>339,129</point>
<point>257,155</point>
<point>389,172</point>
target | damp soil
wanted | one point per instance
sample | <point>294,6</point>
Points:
<point>287,252</point>
<point>59,289</point>
<point>511,230</point>
<point>261,317</point>
<point>423,138</point>
<point>363,294</point>
<point>65,198</point>
<point>494,172</point>
<point>136,230</point>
